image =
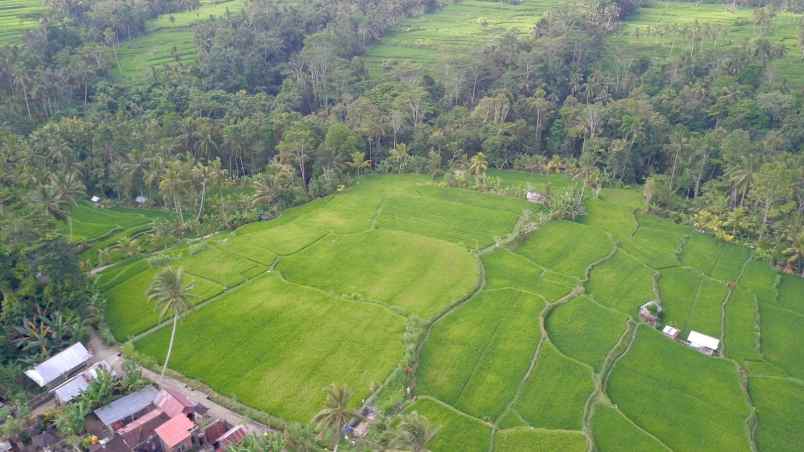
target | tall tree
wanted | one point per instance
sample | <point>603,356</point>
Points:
<point>336,413</point>
<point>172,296</point>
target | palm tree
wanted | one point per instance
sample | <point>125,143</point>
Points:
<point>478,165</point>
<point>65,189</point>
<point>336,414</point>
<point>171,296</point>
<point>358,162</point>
<point>412,433</point>
<point>795,254</point>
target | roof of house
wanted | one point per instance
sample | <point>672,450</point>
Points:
<point>127,406</point>
<point>59,364</point>
<point>143,427</point>
<point>175,431</point>
<point>173,402</point>
<point>95,198</point>
<point>215,430</point>
<point>76,386</point>
<point>231,437</point>
<point>697,339</point>
<point>669,330</point>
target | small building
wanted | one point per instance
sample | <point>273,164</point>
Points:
<point>127,408</point>
<point>95,199</point>
<point>60,365</point>
<point>76,386</point>
<point>176,434</point>
<point>233,436</point>
<point>703,343</point>
<point>650,312</point>
<point>671,332</point>
<point>141,200</point>
<point>536,197</point>
<point>142,429</point>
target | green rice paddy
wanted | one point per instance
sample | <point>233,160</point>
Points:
<point>17,17</point>
<point>532,346</point>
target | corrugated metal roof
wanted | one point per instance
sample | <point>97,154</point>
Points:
<point>232,437</point>
<point>127,406</point>
<point>76,386</point>
<point>59,364</point>
<point>697,339</point>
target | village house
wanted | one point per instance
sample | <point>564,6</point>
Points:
<point>76,385</point>
<point>60,366</point>
<point>650,312</point>
<point>536,197</point>
<point>707,345</point>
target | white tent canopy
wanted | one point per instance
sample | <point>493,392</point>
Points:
<point>59,364</point>
<point>698,340</point>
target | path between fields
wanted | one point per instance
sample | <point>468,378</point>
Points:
<point>113,356</point>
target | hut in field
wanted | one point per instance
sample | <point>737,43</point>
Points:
<point>671,332</point>
<point>536,197</point>
<point>650,312</point>
<point>60,366</point>
<point>707,345</point>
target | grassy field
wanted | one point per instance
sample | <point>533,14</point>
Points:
<point>90,222</point>
<point>17,17</point>
<point>661,29</point>
<point>527,337</point>
<point>455,31</point>
<point>168,38</point>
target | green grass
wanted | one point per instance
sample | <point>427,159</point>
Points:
<point>275,346</point>
<point>692,301</point>
<point>90,222</point>
<point>538,440</point>
<point>417,274</point>
<point>622,283</point>
<point>791,293</point>
<point>167,41</point>
<point>612,432</point>
<point>780,410</point>
<point>453,430</point>
<point>476,356</point>
<point>782,338</point>
<point>525,180</point>
<point>689,401</point>
<point>555,393</point>
<point>742,326</point>
<point>17,17</point>
<point>634,40</point>
<point>128,311</point>
<point>557,247</point>
<point>656,242</point>
<point>613,211</point>
<point>505,269</point>
<point>455,31</point>
<point>585,331</point>
<point>215,264</point>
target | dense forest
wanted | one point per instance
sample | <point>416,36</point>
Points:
<point>279,108</point>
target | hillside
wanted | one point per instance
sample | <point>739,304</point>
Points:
<point>520,334</point>
<point>18,16</point>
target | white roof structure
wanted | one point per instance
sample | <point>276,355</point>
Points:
<point>670,331</point>
<point>59,364</point>
<point>95,198</point>
<point>698,340</point>
<point>140,199</point>
<point>76,386</point>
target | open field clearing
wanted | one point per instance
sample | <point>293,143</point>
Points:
<point>168,39</point>
<point>585,331</point>
<point>538,440</point>
<point>476,357</point>
<point>90,222</point>
<point>687,400</point>
<point>622,283</point>
<point>662,29</point>
<point>455,31</point>
<point>780,409</point>
<point>17,17</point>
<point>298,341</point>
<point>322,294</point>
<point>613,432</point>
<point>379,266</point>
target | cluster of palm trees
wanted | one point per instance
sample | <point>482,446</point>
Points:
<point>58,195</point>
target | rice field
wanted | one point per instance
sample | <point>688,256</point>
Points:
<point>533,345</point>
<point>168,39</point>
<point>455,31</point>
<point>17,17</point>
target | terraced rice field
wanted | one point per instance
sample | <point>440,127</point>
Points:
<point>168,39</point>
<point>534,345</point>
<point>17,17</point>
<point>455,30</point>
<point>647,34</point>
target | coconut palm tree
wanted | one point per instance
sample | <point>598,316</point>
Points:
<point>478,165</point>
<point>412,433</point>
<point>172,297</point>
<point>336,413</point>
<point>358,162</point>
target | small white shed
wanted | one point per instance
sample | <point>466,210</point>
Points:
<point>702,341</point>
